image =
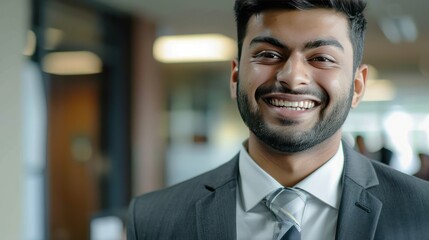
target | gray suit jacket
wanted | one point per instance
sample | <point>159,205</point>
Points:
<point>377,203</point>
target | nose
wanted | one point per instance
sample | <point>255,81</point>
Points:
<point>294,73</point>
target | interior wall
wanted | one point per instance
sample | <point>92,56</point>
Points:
<point>148,106</point>
<point>13,25</point>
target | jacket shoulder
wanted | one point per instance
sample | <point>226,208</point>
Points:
<point>154,214</point>
<point>405,199</point>
<point>393,181</point>
<point>195,187</point>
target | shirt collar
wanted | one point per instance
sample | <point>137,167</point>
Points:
<point>255,183</point>
<point>324,183</point>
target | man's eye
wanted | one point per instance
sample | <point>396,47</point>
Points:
<point>321,59</point>
<point>267,54</point>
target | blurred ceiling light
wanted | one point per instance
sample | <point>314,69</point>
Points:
<point>379,90</point>
<point>399,29</point>
<point>408,28</point>
<point>72,63</point>
<point>30,46</point>
<point>390,30</point>
<point>194,48</point>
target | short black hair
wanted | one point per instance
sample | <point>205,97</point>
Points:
<point>353,9</point>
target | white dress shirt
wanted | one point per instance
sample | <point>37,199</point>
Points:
<point>323,189</point>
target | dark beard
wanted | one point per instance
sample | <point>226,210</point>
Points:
<point>329,123</point>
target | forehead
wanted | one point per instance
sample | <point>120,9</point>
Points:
<point>300,25</point>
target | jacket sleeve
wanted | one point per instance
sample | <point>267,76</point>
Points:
<point>131,227</point>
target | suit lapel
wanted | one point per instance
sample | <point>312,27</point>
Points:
<point>358,214</point>
<point>359,210</point>
<point>216,212</point>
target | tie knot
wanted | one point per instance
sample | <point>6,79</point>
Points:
<point>288,205</point>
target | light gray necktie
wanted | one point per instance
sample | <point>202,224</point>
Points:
<point>288,205</point>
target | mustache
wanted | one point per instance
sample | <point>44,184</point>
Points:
<point>263,90</point>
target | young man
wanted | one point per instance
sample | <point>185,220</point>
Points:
<point>297,75</point>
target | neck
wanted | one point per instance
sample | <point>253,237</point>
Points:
<point>290,168</point>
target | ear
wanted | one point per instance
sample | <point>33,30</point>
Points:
<point>359,85</point>
<point>233,81</point>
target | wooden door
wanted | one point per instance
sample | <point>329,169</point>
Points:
<point>73,146</point>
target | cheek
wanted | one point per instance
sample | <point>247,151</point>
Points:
<point>337,89</point>
<point>337,86</point>
<point>253,76</point>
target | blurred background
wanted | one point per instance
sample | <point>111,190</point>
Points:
<point>103,100</point>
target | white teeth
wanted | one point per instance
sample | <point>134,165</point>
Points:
<point>299,106</point>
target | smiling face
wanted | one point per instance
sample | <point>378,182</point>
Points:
<point>295,82</point>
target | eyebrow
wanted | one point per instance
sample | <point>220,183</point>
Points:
<point>323,42</point>
<point>270,40</point>
<point>310,45</point>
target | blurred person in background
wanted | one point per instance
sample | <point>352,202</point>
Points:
<point>384,155</point>
<point>423,172</point>
<point>361,145</point>
<point>297,75</point>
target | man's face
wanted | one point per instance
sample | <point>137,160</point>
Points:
<point>295,83</point>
